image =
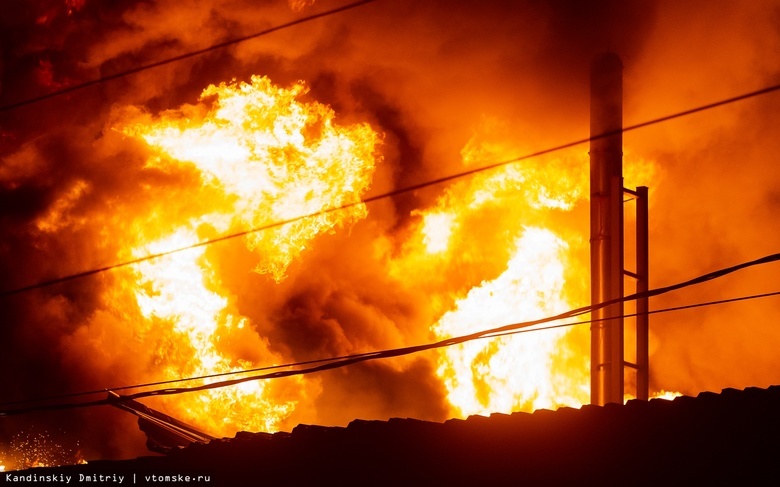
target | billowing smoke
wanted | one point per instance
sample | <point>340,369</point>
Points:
<point>716,193</point>
<point>504,78</point>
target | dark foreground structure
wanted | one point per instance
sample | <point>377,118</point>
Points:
<point>731,438</point>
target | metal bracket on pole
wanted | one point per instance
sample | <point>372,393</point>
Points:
<point>642,277</point>
<point>642,286</point>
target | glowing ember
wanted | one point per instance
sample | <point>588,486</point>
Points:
<point>667,395</point>
<point>30,450</point>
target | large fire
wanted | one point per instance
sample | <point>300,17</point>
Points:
<point>265,156</point>
<point>121,167</point>
<point>492,249</point>
<point>500,222</point>
<point>514,372</point>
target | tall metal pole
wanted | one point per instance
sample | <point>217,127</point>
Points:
<point>606,227</point>
<point>642,304</point>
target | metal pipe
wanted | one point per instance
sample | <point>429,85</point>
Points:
<point>606,226</point>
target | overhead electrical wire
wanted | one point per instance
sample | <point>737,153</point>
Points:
<point>180,57</point>
<point>383,354</point>
<point>331,359</point>
<point>389,194</point>
<point>633,315</point>
<point>173,381</point>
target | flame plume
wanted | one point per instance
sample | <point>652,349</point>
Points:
<point>515,372</point>
<point>275,158</point>
<point>266,157</point>
<point>506,259</point>
<point>272,157</point>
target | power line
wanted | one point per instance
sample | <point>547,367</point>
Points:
<point>180,57</point>
<point>382,354</point>
<point>632,315</point>
<point>331,359</point>
<point>389,194</point>
<point>172,381</point>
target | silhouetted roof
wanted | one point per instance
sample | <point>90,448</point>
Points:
<point>163,433</point>
<point>732,437</point>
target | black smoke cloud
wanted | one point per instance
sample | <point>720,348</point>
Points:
<point>422,73</point>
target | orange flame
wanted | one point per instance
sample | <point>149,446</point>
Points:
<point>668,395</point>
<point>268,157</point>
<point>263,156</point>
<point>500,224</point>
<point>514,372</point>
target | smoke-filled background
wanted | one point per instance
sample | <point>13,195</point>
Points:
<point>444,86</point>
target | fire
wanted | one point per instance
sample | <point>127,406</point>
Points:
<point>492,249</point>
<point>174,289</point>
<point>667,395</point>
<point>263,156</point>
<point>489,253</point>
<point>510,224</point>
<point>662,394</point>
<point>513,372</point>
<point>437,230</point>
<point>273,157</point>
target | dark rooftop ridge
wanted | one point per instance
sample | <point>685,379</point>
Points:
<point>732,437</point>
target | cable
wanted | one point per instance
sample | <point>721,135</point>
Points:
<point>180,57</point>
<point>513,332</point>
<point>632,315</point>
<point>344,361</point>
<point>171,381</point>
<point>388,194</point>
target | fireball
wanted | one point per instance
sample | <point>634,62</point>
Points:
<point>265,156</point>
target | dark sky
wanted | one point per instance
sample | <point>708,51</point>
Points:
<point>429,77</point>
